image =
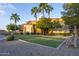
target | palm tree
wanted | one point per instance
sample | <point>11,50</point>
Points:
<point>15,17</point>
<point>34,12</point>
<point>43,7</point>
<point>49,10</point>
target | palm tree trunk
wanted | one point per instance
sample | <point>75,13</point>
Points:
<point>15,27</point>
<point>75,36</point>
<point>36,18</point>
<point>43,13</point>
<point>48,15</point>
<point>42,31</point>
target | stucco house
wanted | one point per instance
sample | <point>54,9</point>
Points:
<point>30,27</point>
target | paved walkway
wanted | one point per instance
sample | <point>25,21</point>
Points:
<point>22,48</point>
<point>1,37</point>
<point>19,48</point>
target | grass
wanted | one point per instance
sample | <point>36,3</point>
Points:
<point>41,39</point>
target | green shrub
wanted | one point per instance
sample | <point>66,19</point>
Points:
<point>10,38</point>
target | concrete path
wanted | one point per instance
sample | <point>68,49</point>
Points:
<point>1,37</point>
<point>19,48</point>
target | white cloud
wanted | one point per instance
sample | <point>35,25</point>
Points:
<point>2,11</point>
<point>4,6</point>
<point>11,6</point>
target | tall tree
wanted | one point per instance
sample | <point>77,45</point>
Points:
<point>42,8</point>
<point>15,17</point>
<point>49,10</point>
<point>54,24</point>
<point>11,27</point>
<point>43,24</point>
<point>71,17</point>
<point>34,12</point>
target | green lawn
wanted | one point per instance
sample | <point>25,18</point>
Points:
<point>41,39</point>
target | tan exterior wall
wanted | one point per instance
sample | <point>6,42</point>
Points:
<point>27,28</point>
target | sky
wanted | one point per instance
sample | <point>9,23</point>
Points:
<point>24,11</point>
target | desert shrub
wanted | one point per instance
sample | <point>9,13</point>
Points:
<point>10,38</point>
